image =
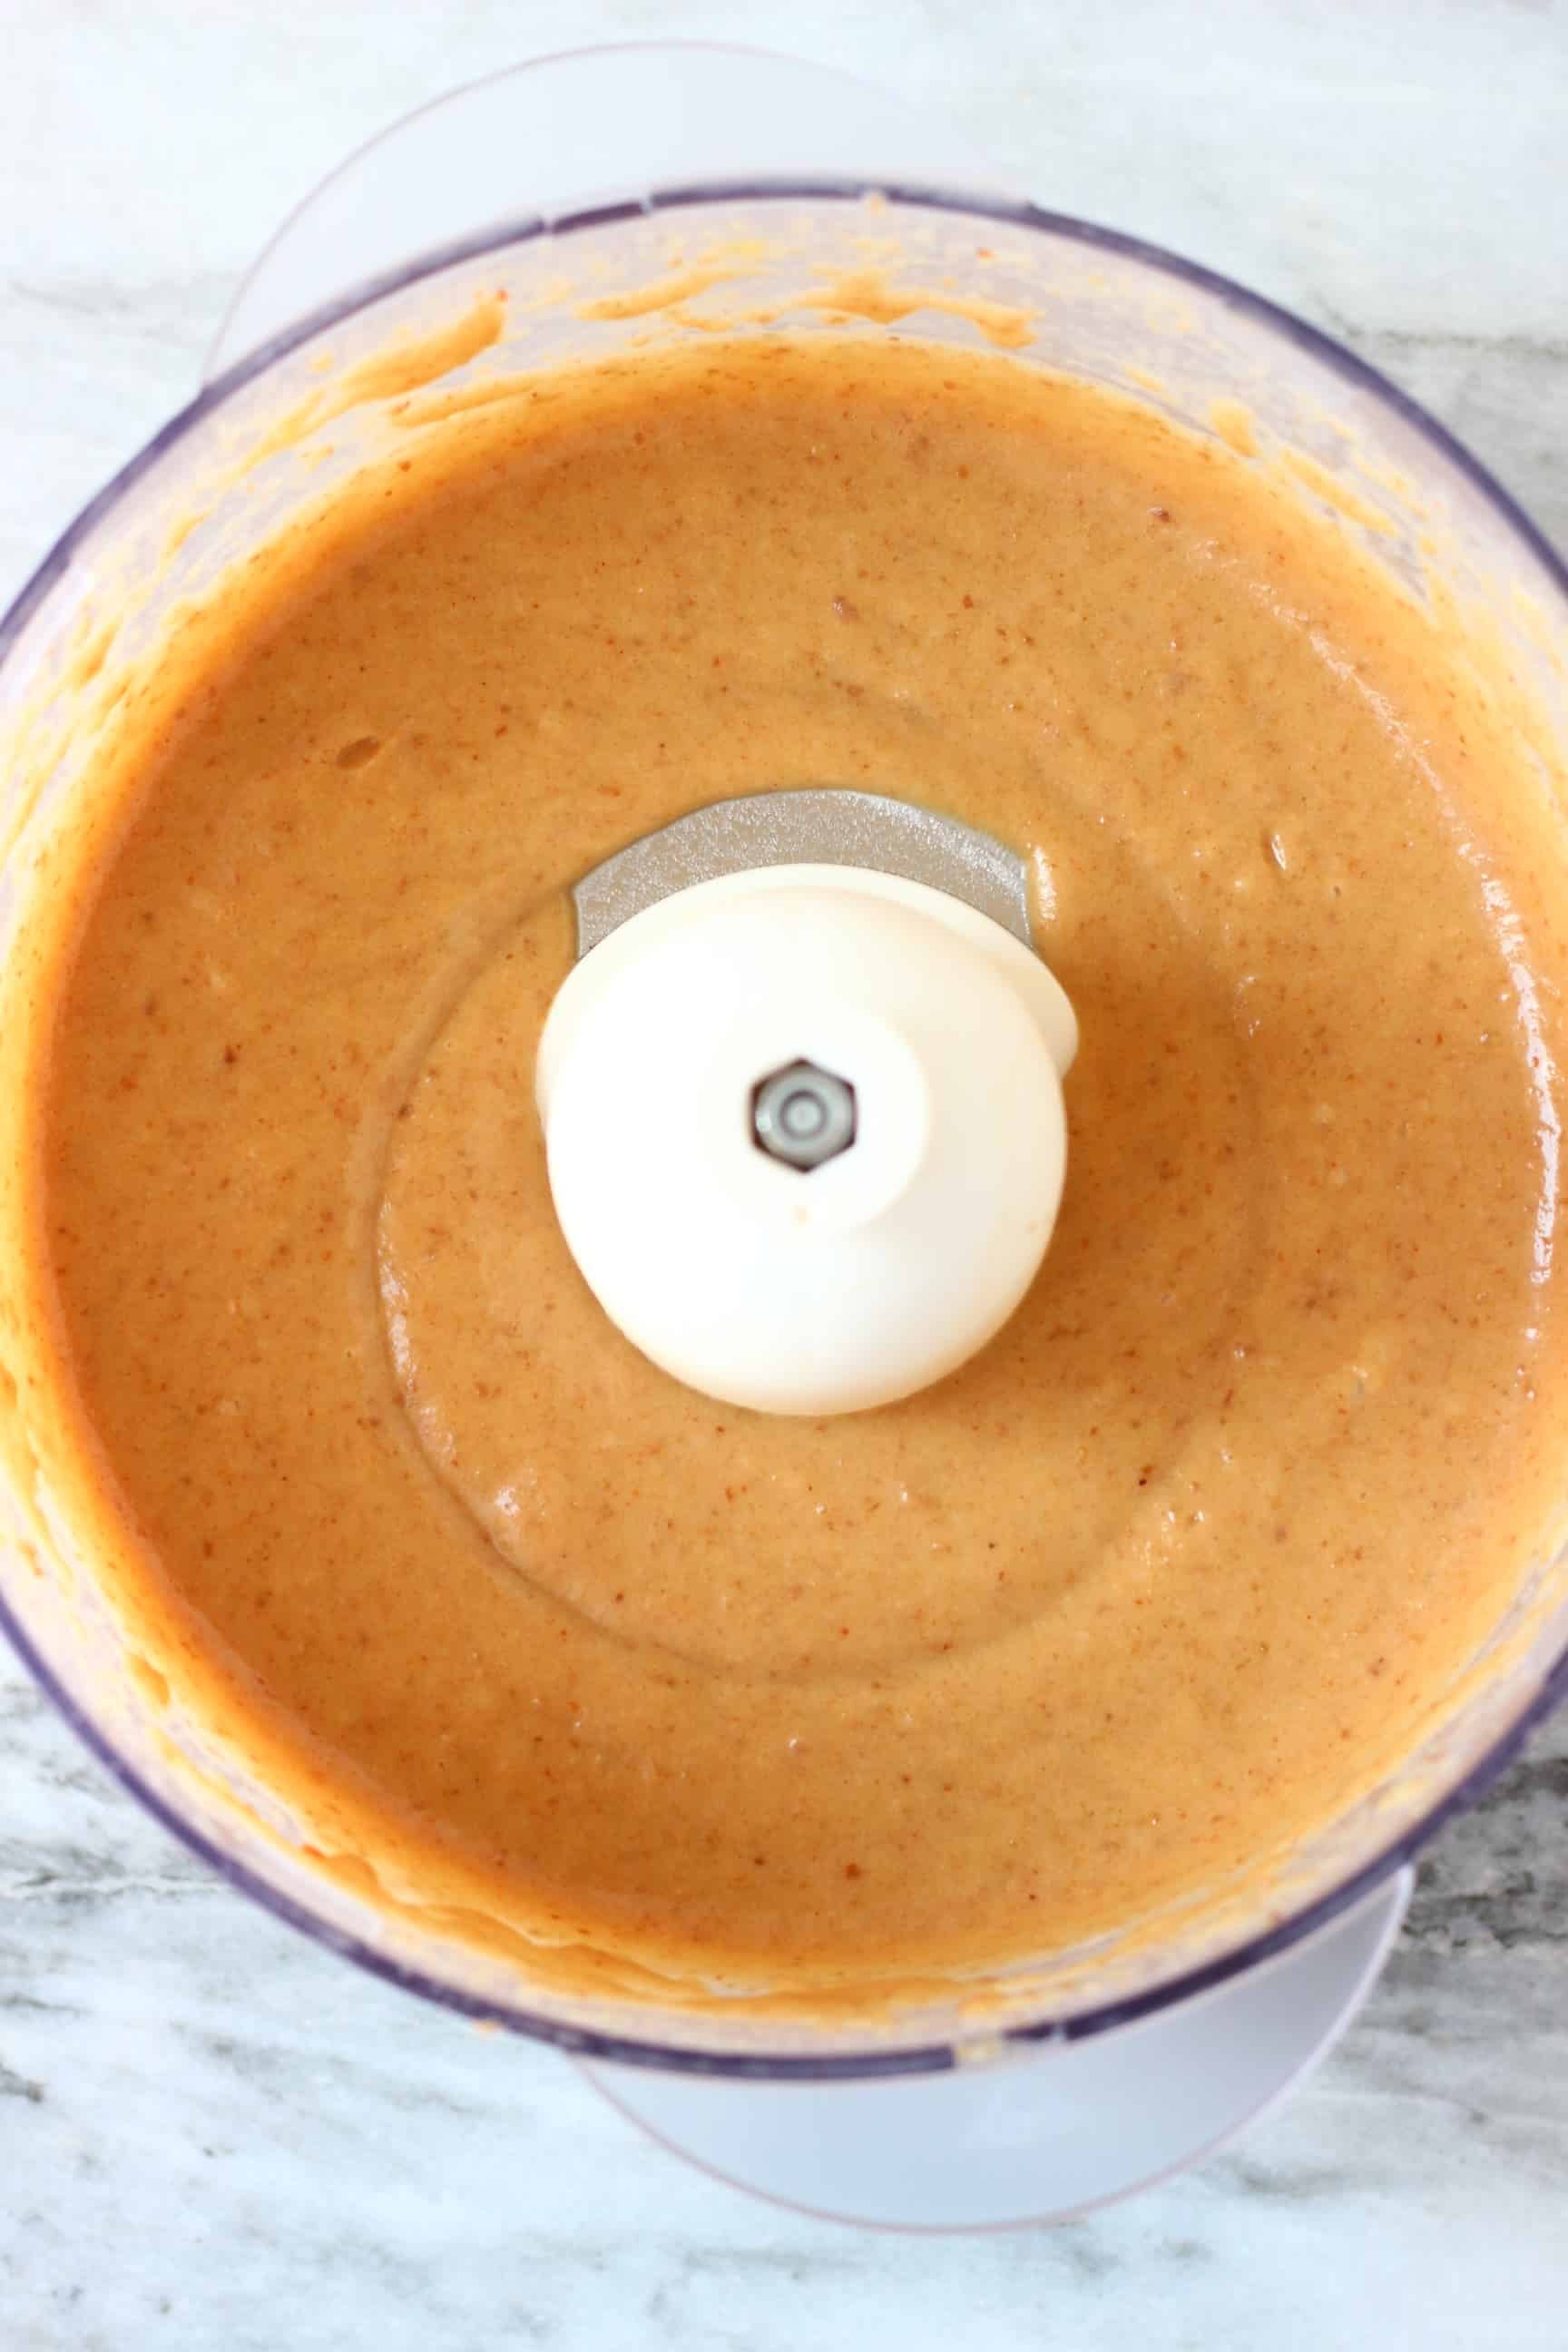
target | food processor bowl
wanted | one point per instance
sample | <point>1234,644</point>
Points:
<point>298,414</point>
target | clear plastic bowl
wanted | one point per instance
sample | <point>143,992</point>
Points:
<point>1107,309</point>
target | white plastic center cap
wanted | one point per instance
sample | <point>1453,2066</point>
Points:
<point>696,1065</point>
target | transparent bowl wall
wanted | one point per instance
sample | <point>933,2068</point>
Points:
<point>1106,308</point>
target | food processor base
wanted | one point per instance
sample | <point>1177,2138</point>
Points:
<point>1048,2131</point>
<point>560,132</point>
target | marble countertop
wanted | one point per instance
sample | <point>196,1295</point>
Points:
<point>213,2133</point>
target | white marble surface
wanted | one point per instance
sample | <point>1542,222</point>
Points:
<point>211,2134</point>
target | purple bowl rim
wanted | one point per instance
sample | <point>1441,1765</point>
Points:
<point>583,2041</point>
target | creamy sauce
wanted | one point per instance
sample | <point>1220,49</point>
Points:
<point>1158,1583</point>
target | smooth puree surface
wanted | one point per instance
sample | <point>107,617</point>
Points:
<point>1160,1581</point>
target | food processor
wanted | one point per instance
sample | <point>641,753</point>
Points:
<point>666,190</point>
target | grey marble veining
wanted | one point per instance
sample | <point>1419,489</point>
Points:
<point>210,2133</point>
<point>208,2123</point>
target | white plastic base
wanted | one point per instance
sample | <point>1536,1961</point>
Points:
<point>1041,2136</point>
<point>559,133</point>
<point>1052,2131</point>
